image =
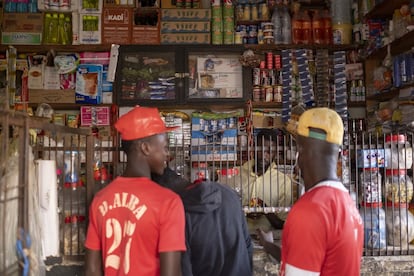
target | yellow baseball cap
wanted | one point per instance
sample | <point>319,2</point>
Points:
<point>322,118</point>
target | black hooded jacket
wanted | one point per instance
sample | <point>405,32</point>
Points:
<point>218,242</point>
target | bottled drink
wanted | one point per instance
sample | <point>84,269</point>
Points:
<point>286,26</point>
<point>297,35</point>
<point>277,24</point>
<point>327,27</point>
<point>317,28</point>
<point>306,28</point>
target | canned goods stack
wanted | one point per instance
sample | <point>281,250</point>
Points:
<point>216,22</point>
<point>267,80</point>
<point>228,22</point>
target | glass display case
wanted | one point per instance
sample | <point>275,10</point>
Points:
<point>216,75</point>
<point>161,75</point>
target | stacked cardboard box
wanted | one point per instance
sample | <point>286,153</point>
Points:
<point>185,26</point>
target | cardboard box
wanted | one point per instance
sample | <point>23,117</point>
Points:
<point>227,137</point>
<point>267,120</point>
<point>185,26</point>
<point>88,6</point>
<point>116,25</point>
<point>90,29</point>
<point>89,83</point>
<point>213,155</point>
<point>51,96</point>
<point>116,4</point>
<point>186,38</point>
<point>146,34</point>
<point>371,158</point>
<point>95,115</point>
<point>185,14</point>
<point>22,28</point>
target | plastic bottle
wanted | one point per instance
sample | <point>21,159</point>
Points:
<point>286,26</point>
<point>306,28</point>
<point>373,216</point>
<point>327,27</point>
<point>317,28</point>
<point>54,29</point>
<point>277,24</point>
<point>296,25</point>
<point>100,172</point>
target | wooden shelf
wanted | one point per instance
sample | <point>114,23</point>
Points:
<point>388,94</point>
<point>57,48</point>
<point>107,47</point>
<point>274,47</point>
<point>266,105</point>
<point>398,46</point>
<point>385,9</point>
<point>67,106</point>
<point>356,104</point>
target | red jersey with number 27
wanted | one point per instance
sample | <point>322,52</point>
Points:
<point>132,221</point>
<point>323,234</point>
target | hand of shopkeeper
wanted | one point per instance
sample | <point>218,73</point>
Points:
<point>267,241</point>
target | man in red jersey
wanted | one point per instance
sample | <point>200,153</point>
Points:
<point>323,233</point>
<point>137,227</point>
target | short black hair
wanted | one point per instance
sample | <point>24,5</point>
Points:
<point>126,145</point>
<point>171,180</point>
<point>268,134</point>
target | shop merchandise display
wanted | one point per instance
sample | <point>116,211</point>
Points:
<point>373,217</point>
<point>400,224</point>
<point>398,186</point>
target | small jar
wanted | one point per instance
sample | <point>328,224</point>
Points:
<point>398,152</point>
<point>398,186</point>
<point>371,180</point>
<point>400,224</point>
<point>373,217</point>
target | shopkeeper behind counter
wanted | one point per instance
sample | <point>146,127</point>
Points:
<point>261,183</point>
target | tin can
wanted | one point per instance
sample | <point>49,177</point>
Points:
<point>277,62</point>
<point>277,93</point>
<point>256,93</point>
<point>256,76</point>
<point>268,93</point>
<point>269,60</point>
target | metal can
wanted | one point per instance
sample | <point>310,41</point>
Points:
<point>256,93</point>
<point>269,60</point>
<point>268,93</point>
<point>256,76</point>
<point>277,93</point>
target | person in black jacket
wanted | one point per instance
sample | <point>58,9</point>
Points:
<point>217,239</point>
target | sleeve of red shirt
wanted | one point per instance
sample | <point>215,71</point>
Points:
<point>172,226</point>
<point>304,242</point>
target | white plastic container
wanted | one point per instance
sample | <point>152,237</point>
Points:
<point>398,152</point>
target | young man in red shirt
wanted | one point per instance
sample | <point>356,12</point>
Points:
<point>323,233</point>
<point>137,227</point>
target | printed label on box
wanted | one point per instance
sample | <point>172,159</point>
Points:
<point>371,158</point>
<point>185,26</point>
<point>95,115</point>
<point>89,83</point>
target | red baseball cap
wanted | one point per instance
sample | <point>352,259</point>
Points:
<point>141,122</point>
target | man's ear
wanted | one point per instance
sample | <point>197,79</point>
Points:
<point>145,147</point>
